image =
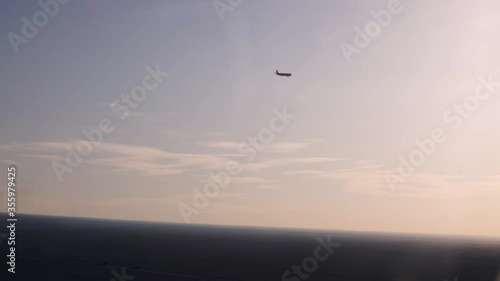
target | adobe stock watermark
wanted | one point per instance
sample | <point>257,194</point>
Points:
<point>223,6</point>
<point>121,277</point>
<point>371,30</point>
<point>310,264</point>
<point>121,108</point>
<point>453,116</point>
<point>220,180</point>
<point>29,29</point>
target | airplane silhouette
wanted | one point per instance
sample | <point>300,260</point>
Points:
<point>283,74</point>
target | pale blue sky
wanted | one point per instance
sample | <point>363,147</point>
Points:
<point>325,170</point>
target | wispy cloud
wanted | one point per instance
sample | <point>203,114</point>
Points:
<point>370,179</point>
<point>278,147</point>
<point>285,161</point>
<point>302,172</point>
<point>244,180</point>
<point>291,147</point>
<point>154,161</point>
<point>124,158</point>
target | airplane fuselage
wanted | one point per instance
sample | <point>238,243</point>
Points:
<point>284,74</point>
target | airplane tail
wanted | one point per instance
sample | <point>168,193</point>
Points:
<point>276,71</point>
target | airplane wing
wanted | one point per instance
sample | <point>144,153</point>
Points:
<point>57,248</point>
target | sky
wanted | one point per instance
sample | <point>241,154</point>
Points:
<point>389,122</point>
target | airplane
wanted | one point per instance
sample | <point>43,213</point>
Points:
<point>283,74</point>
